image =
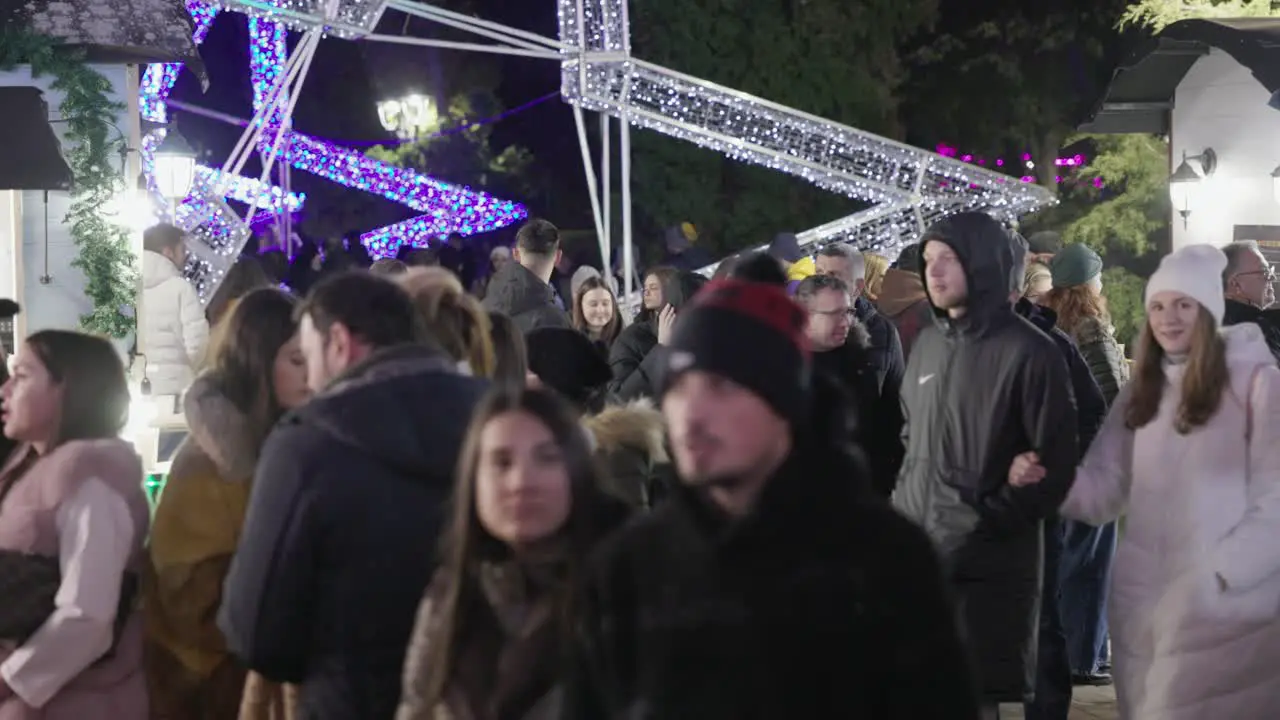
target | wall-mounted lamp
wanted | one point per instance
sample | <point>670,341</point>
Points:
<point>1275,183</point>
<point>175,163</point>
<point>1185,181</point>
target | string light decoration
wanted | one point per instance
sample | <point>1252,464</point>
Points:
<point>352,19</point>
<point>1074,161</point>
<point>447,209</point>
<point>914,185</point>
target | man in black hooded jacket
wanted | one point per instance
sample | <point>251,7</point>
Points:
<point>982,386</point>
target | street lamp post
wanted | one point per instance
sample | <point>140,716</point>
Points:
<point>409,116</point>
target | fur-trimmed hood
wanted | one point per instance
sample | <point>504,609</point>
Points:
<point>638,425</point>
<point>220,429</point>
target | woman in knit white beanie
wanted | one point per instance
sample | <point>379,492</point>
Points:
<point>1190,455</point>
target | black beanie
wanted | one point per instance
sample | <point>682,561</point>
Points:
<point>567,362</point>
<point>750,333</point>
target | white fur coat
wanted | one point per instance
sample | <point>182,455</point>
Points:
<point>1195,591</point>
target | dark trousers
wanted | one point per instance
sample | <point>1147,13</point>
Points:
<point>1084,576</point>
<point>1053,671</point>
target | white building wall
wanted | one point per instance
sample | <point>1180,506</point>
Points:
<point>60,302</point>
<point>1220,105</point>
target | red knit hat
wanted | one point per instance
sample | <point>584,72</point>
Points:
<point>748,332</point>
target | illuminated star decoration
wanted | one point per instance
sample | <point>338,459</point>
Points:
<point>908,188</point>
<point>446,209</point>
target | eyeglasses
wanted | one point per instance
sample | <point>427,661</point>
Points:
<point>850,313</point>
<point>1269,274</point>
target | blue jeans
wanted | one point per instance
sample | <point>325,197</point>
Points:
<point>1053,672</point>
<point>1084,576</point>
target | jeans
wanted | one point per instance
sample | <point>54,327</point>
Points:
<point>1053,671</point>
<point>1084,577</point>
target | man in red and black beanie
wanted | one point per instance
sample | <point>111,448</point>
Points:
<point>762,587</point>
<point>752,334</point>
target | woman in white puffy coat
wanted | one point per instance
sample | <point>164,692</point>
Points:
<point>175,331</point>
<point>1190,454</point>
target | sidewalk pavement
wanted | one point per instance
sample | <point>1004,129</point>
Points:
<point>1087,703</point>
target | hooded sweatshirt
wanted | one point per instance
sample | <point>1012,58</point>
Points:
<point>978,391</point>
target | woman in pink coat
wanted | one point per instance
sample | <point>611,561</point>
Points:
<point>1190,454</point>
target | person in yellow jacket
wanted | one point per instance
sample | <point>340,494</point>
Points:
<point>257,373</point>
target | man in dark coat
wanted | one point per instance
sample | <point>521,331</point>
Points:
<point>340,538</point>
<point>842,348</point>
<point>846,263</point>
<point>763,588</point>
<point>982,386</point>
<point>522,290</point>
<point>1249,286</point>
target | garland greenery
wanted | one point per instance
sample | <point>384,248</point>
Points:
<point>104,256</point>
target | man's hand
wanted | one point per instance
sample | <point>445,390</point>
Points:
<point>1026,470</point>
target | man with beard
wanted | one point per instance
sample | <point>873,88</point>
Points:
<point>339,539</point>
<point>762,588</point>
<point>983,386</point>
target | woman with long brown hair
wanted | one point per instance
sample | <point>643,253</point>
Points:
<point>257,373</point>
<point>73,524</point>
<point>596,313</point>
<point>1190,455</point>
<point>496,620</point>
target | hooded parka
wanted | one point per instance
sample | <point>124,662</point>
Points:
<point>978,391</point>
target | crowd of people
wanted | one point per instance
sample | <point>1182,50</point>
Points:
<point>812,485</point>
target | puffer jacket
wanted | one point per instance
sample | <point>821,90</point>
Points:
<point>979,391</point>
<point>1097,342</point>
<point>630,440</point>
<point>636,358</point>
<point>175,331</point>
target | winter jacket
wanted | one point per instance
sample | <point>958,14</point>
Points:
<point>517,293</point>
<point>904,303</point>
<point>979,391</point>
<point>1097,342</point>
<point>636,358</point>
<point>176,331</point>
<point>1195,594</point>
<point>630,442</point>
<point>1091,406</point>
<point>193,537</point>
<point>875,413</point>
<point>1267,320</point>
<point>795,611</point>
<point>340,538</point>
<point>885,348</point>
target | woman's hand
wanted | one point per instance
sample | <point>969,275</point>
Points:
<point>1026,470</point>
<point>666,322</point>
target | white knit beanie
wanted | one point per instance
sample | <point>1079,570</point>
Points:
<point>1194,271</point>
